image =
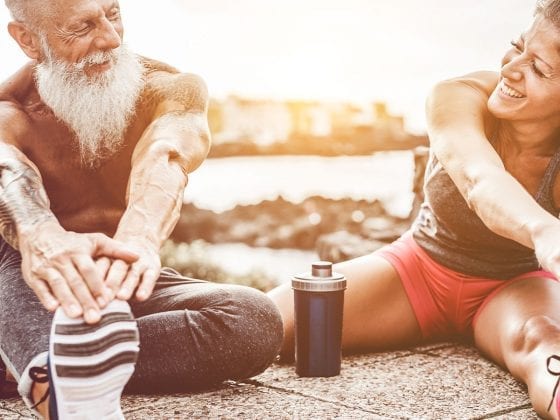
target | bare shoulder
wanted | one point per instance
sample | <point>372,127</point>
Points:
<point>14,123</point>
<point>19,86</point>
<point>175,90</point>
<point>152,66</point>
<point>482,82</point>
<point>15,92</point>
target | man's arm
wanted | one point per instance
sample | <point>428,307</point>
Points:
<point>173,145</point>
<point>56,264</point>
<point>457,114</point>
<point>23,200</point>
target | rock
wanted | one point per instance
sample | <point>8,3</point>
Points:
<point>341,246</point>
<point>278,223</point>
<point>383,229</point>
<point>282,224</point>
<point>378,230</point>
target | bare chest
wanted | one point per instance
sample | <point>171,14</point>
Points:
<point>82,198</point>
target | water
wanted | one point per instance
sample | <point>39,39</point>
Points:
<point>220,184</point>
<point>279,264</point>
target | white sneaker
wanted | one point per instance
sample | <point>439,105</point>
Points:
<point>89,365</point>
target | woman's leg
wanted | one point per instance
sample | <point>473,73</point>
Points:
<point>519,328</point>
<point>377,312</point>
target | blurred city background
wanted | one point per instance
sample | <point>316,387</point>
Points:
<point>317,109</point>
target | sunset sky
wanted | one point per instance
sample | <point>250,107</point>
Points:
<point>355,50</point>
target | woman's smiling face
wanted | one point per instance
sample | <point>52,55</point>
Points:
<point>529,87</point>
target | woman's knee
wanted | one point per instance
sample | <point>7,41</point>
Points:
<point>534,332</point>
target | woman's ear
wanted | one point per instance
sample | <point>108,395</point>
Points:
<point>28,40</point>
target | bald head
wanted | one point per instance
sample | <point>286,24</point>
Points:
<point>30,12</point>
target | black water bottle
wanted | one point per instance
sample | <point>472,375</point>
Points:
<point>318,307</point>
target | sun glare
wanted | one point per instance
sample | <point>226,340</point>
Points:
<point>346,50</point>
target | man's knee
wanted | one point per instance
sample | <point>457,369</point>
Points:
<point>258,326</point>
<point>260,314</point>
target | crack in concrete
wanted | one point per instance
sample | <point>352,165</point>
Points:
<point>502,412</point>
<point>429,351</point>
<point>325,400</point>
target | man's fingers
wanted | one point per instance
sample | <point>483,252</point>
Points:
<point>87,269</point>
<point>103,265</point>
<point>44,294</point>
<point>115,277</point>
<point>81,291</point>
<point>129,284</point>
<point>62,292</point>
<point>147,286</point>
<point>105,246</point>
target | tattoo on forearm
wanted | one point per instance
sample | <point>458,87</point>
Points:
<point>23,200</point>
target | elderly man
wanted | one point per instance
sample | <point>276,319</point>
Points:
<point>95,147</point>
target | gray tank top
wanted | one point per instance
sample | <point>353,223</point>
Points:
<point>455,237</point>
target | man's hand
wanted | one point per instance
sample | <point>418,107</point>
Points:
<point>123,278</point>
<point>60,268</point>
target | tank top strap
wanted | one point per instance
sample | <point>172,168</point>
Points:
<point>545,194</point>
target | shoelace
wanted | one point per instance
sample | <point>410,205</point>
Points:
<point>555,373</point>
<point>41,376</point>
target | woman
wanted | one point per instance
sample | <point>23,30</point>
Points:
<point>483,256</point>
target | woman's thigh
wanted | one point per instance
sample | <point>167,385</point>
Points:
<point>377,312</point>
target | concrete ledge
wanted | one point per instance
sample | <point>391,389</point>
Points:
<point>442,381</point>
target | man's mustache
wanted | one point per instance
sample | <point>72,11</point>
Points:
<point>96,58</point>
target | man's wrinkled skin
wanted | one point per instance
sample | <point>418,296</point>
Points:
<point>91,230</point>
<point>166,138</point>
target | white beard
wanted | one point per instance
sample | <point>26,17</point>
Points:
<point>98,108</point>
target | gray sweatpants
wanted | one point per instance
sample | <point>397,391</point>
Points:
<point>193,334</point>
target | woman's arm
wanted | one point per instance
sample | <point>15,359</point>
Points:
<point>457,115</point>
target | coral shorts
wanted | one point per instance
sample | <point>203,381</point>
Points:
<point>444,301</point>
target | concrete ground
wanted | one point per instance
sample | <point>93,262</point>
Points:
<point>441,381</point>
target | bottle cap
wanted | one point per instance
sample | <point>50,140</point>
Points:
<point>320,279</point>
<point>321,269</point>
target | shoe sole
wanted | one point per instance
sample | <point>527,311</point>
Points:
<point>90,364</point>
